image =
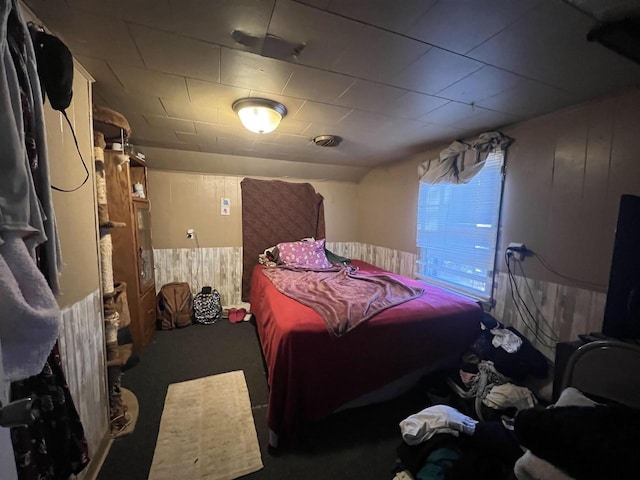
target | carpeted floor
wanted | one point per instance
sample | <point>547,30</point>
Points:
<point>356,444</point>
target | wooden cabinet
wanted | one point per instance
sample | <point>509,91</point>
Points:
<point>132,247</point>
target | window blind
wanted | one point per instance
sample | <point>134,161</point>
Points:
<point>458,228</point>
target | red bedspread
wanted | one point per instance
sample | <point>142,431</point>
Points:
<point>312,373</point>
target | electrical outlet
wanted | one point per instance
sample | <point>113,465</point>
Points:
<point>517,250</point>
<point>190,233</point>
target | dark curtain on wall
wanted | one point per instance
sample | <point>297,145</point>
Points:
<point>274,211</point>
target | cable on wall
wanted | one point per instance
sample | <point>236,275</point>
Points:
<point>548,267</point>
<point>530,321</point>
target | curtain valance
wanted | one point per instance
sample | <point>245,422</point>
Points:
<point>461,161</point>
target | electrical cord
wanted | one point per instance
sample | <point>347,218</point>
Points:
<point>537,330</point>
<point>197,260</point>
<point>540,335</point>
<point>537,308</point>
<point>86,170</point>
<point>546,265</point>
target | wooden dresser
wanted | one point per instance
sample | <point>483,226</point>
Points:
<point>132,249</point>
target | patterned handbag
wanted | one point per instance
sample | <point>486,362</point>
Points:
<point>207,307</point>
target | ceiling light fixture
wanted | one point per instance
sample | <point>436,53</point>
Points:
<point>259,115</point>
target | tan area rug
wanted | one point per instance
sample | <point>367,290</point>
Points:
<point>207,431</point>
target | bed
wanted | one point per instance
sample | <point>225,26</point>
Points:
<point>312,372</point>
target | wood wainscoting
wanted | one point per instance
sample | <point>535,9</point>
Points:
<point>82,350</point>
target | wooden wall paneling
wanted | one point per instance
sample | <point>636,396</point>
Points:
<point>526,198</point>
<point>625,167</point>
<point>567,215</point>
<point>596,231</point>
<point>569,311</point>
<point>220,268</point>
<point>82,351</point>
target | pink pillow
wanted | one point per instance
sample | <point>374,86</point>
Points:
<point>304,254</point>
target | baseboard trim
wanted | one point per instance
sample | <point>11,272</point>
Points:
<point>91,473</point>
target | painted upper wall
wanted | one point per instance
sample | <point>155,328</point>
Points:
<point>75,211</point>
<point>180,201</point>
<point>566,172</point>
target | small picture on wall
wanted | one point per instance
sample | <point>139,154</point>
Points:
<point>225,206</point>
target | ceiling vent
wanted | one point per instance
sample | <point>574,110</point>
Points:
<point>327,140</point>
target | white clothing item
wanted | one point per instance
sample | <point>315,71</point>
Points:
<point>573,396</point>
<point>30,315</point>
<point>509,395</point>
<point>509,341</point>
<point>403,475</point>
<point>423,425</point>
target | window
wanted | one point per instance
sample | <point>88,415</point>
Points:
<point>458,230</point>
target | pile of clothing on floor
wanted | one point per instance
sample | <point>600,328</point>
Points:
<point>492,426</point>
<point>493,370</point>
<point>575,438</point>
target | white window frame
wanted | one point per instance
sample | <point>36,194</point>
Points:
<point>461,255</point>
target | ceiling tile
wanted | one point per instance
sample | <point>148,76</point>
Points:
<point>435,70</point>
<point>320,112</point>
<point>323,4</point>
<point>450,113</point>
<point>292,126</point>
<point>247,70</point>
<point>377,54</point>
<point>87,34</point>
<point>100,71</point>
<point>373,122</point>
<point>370,96</point>
<point>395,16</point>
<point>483,119</point>
<point>196,139</point>
<point>415,105</point>
<point>214,94</point>
<point>211,131</point>
<point>139,81</point>
<point>155,13</point>
<point>199,112</point>
<point>528,98</point>
<point>172,53</point>
<point>315,84</point>
<point>342,45</point>
<point>481,84</point>
<point>562,57</point>
<point>214,21</point>
<point>121,101</point>
<point>175,124</point>
<point>142,132</point>
<point>460,25</point>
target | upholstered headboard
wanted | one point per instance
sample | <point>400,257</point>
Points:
<point>274,211</point>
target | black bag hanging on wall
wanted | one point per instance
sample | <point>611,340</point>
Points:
<point>55,68</point>
<point>55,71</point>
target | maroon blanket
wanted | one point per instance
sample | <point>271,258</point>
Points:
<point>343,298</point>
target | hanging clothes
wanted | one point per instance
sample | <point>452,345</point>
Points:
<point>54,446</point>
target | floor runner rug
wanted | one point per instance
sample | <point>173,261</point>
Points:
<point>207,431</point>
